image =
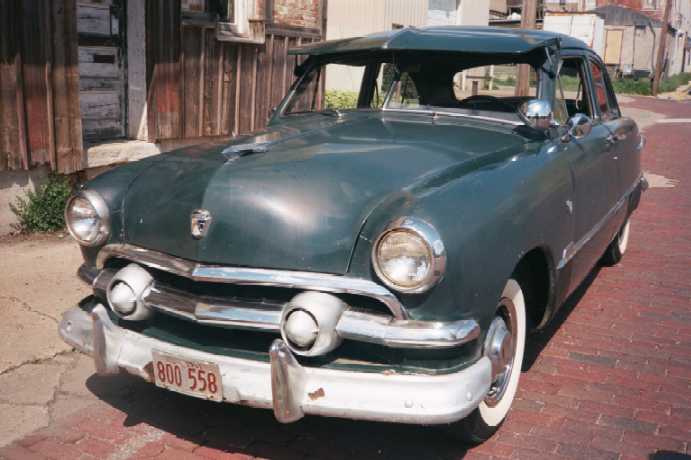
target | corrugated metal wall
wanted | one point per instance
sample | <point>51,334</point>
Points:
<point>351,18</point>
<point>199,86</point>
<point>40,121</point>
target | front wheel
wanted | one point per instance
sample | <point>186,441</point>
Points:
<point>504,346</point>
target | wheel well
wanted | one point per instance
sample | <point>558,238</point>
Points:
<point>534,274</point>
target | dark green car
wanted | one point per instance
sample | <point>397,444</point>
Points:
<point>382,259</point>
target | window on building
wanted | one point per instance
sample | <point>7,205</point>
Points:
<point>650,4</point>
<point>216,10</point>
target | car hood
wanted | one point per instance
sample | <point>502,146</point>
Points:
<point>299,197</point>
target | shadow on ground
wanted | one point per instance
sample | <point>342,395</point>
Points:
<point>539,340</point>
<point>255,432</point>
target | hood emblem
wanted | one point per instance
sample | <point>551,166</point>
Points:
<point>200,221</point>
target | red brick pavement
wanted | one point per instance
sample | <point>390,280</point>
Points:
<point>610,379</point>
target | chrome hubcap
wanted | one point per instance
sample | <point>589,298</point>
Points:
<point>500,348</point>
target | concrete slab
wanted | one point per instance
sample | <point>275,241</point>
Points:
<point>31,384</point>
<point>38,283</point>
<point>18,421</point>
<point>26,336</point>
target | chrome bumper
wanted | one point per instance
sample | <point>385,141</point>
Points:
<point>284,385</point>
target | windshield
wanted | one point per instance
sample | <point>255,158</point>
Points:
<point>461,85</point>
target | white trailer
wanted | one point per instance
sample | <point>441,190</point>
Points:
<point>587,27</point>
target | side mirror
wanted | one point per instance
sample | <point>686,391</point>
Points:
<point>577,127</point>
<point>538,113</point>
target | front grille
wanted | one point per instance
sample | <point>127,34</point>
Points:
<point>261,296</point>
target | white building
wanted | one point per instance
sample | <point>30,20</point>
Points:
<point>353,18</point>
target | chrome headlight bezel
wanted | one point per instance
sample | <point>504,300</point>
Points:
<point>435,249</point>
<point>98,203</point>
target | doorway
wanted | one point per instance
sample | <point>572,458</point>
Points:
<point>102,69</point>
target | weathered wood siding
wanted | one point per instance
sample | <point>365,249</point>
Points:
<point>200,87</point>
<point>101,69</point>
<point>39,84</point>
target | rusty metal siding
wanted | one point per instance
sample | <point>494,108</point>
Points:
<point>39,107</point>
<point>201,87</point>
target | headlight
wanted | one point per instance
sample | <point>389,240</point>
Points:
<point>409,256</point>
<point>87,218</point>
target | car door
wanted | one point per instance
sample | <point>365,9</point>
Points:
<point>591,166</point>
<point>624,136</point>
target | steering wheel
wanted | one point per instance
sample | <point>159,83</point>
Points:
<point>487,99</point>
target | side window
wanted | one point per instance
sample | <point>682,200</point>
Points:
<point>604,97</point>
<point>572,92</point>
<point>405,94</point>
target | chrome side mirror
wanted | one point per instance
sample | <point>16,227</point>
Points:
<point>538,113</point>
<point>577,127</point>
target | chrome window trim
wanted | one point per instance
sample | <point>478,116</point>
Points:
<point>253,276</point>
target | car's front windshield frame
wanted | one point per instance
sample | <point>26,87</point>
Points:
<point>311,65</point>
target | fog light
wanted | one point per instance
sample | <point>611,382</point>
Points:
<point>301,329</point>
<point>122,298</point>
<point>308,323</point>
<point>127,290</point>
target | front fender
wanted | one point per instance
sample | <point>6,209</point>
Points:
<point>488,218</point>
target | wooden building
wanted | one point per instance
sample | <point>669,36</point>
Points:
<point>77,73</point>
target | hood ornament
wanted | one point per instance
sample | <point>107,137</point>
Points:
<point>200,221</point>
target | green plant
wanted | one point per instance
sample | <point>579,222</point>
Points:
<point>336,99</point>
<point>631,86</point>
<point>42,210</point>
<point>643,86</point>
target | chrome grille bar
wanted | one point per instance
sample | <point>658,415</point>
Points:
<point>266,317</point>
<point>253,276</point>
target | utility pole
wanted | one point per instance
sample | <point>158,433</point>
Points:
<point>662,47</point>
<point>528,18</point>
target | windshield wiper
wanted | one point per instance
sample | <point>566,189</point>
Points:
<point>325,112</point>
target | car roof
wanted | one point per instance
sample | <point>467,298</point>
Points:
<point>469,39</point>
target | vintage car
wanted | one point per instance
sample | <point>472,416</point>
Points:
<point>381,262</point>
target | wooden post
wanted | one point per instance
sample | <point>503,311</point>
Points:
<point>660,61</point>
<point>528,18</point>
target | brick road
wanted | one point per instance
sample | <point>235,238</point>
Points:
<point>610,379</point>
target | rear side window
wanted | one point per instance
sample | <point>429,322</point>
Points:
<point>603,93</point>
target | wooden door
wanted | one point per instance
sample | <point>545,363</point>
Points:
<point>102,70</point>
<point>613,46</point>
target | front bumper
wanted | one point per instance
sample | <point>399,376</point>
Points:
<point>286,386</point>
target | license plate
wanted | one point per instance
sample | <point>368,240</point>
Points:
<point>194,378</point>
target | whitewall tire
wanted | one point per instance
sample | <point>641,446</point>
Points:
<point>617,248</point>
<point>504,346</point>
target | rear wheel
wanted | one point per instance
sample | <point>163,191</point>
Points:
<point>504,346</point>
<point>616,249</point>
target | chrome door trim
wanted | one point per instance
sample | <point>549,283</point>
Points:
<point>573,248</point>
